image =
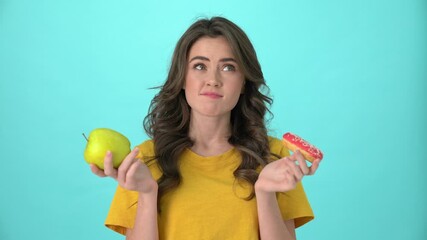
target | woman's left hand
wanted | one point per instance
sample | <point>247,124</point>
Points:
<point>284,174</point>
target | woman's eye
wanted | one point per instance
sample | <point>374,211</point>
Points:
<point>229,68</point>
<point>199,66</point>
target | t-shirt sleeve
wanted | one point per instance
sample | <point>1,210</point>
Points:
<point>122,211</point>
<point>293,204</point>
<point>124,204</point>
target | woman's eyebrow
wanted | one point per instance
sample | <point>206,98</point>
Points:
<point>199,58</point>
<point>207,59</point>
<point>228,60</point>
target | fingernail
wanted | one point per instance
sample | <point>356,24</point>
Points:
<point>108,152</point>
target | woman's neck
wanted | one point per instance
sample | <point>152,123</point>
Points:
<point>210,135</point>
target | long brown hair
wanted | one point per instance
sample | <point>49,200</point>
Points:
<point>168,120</point>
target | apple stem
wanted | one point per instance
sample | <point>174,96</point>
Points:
<point>85,137</point>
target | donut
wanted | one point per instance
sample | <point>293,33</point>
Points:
<point>294,142</point>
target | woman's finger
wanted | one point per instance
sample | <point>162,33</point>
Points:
<point>108,165</point>
<point>292,157</point>
<point>132,172</point>
<point>292,182</point>
<point>96,170</point>
<point>314,167</point>
<point>295,170</point>
<point>302,163</point>
<point>125,165</point>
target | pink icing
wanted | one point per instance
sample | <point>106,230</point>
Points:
<point>304,145</point>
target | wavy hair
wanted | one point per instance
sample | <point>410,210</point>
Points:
<point>168,119</point>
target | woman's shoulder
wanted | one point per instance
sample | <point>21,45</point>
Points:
<point>148,155</point>
<point>277,147</point>
<point>148,143</point>
<point>146,149</point>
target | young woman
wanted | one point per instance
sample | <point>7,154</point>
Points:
<point>210,171</point>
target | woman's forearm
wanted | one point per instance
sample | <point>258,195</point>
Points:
<point>145,227</point>
<point>271,224</point>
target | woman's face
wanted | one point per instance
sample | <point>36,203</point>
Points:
<point>213,81</point>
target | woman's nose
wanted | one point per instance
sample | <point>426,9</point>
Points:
<point>214,80</point>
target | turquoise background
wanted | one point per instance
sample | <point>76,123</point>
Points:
<point>350,76</point>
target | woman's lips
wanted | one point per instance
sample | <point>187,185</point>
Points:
<point>212,95</point>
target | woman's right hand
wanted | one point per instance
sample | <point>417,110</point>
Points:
<point>132,174</point>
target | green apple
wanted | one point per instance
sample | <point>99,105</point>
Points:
<point>102,140</point>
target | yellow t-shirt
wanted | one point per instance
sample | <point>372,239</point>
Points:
<point>208,204</point>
